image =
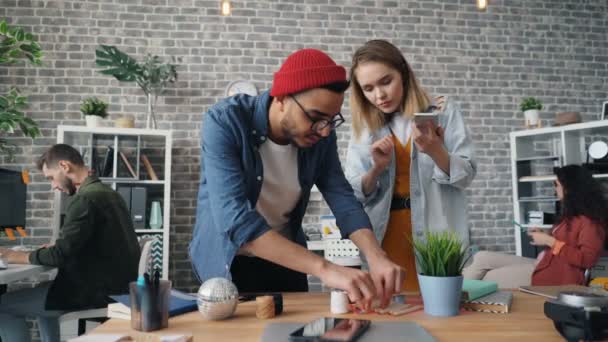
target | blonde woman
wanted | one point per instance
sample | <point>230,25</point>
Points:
<point>410,175</point>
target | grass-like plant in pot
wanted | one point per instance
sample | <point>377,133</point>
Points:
<point>530,106</point>
<point>93,110</point>
<point>440,257</point>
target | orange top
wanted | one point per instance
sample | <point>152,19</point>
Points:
<point>397,239</point>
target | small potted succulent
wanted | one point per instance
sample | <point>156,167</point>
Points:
<point>93,110</point>
<point>440,257</point>
<point>530,106</point>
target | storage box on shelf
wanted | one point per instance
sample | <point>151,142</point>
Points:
<point>534,154</point>
<point>137,164</point>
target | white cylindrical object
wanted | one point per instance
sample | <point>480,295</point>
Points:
<point>339,302</point>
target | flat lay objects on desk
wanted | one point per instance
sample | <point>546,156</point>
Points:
<point>339,302</point>
<point>265,307</point>
<point>277,299</point>
<point>397,309</point>
<point>150,303</point>
<point>135,338</point>
<point>473,289</point>
<point>217,299</point>
<point>179,303</point>
<point>525,322</point>
<point>377,332</point>
<point>552,291</point>
<point>497,302</point>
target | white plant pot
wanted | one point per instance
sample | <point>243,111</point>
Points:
<point>531,117</point>
<point>93,120</point>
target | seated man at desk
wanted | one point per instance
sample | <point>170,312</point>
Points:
<point>96,253</point>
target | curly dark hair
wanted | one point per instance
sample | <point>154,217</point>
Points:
<point>583,195</point>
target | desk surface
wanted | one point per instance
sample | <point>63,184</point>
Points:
<point>16,272</point>
<point>526,322</point>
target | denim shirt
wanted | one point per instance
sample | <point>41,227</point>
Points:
<point>438,200</point>
<point>231,181</point>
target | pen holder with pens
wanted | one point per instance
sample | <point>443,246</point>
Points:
<point>150,305</point>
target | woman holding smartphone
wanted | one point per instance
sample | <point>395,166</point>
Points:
<point>573,244</point>
<point>409,174</point>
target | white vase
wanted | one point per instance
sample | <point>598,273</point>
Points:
<point>531,117</point>
<point>92,120</point>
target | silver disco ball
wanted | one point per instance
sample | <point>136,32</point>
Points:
<point>217,299</point>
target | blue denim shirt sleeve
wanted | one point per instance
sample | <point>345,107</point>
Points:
<point>457,140</point>
<point>232,212</point>
<point>339,194</point>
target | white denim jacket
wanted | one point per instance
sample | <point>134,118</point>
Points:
<point>438,201</point>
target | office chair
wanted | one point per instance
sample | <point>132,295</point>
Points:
<point>100,315</point>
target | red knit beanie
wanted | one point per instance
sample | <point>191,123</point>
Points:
<point>306,69</point>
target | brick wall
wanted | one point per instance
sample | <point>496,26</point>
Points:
<point>554,50</point>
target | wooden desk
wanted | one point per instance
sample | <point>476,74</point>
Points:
<point>526,322</point>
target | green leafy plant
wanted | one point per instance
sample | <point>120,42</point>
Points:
<point>440,254</point>
<point>152,75</point>
<point>94,106</point>
<point>530,103</point>
<point>16,44</point>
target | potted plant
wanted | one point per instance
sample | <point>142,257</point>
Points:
<point>530,106</point>
<point>93,110</point>
<point>15,45</point>
<point>152,75</point>
<point>440,257</point>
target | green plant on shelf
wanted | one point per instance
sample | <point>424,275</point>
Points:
<point>152,75</point>
<point>529,103</point>
<point>94,106</point>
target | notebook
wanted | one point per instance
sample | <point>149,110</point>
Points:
<point>180,303</point>
<point>473,289</point>
<point>497,302</point>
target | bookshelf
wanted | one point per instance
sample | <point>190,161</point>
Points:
<point>534,154</point>
<point>136,163</point>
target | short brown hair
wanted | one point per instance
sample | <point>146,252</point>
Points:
<point>59,152</point>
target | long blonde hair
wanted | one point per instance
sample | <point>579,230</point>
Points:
<point>364,113</point>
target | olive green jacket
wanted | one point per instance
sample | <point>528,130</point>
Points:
<point>97,252</point>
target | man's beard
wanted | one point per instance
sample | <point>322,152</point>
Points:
<point>288,129</point>
<point>68,186</point>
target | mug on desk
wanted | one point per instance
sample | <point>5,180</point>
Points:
<point>150,304</point>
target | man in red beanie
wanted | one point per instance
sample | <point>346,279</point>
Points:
<point>260,158</point>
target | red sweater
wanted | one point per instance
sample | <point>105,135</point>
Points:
<point>583,240</point>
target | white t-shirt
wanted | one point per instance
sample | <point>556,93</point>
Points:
<point>401,127</point>
<point>280,188</point>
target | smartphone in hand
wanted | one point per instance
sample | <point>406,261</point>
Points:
<point>423,118</point>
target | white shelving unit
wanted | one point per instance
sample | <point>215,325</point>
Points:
<point>132,143</point>
<point>534,153</point>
